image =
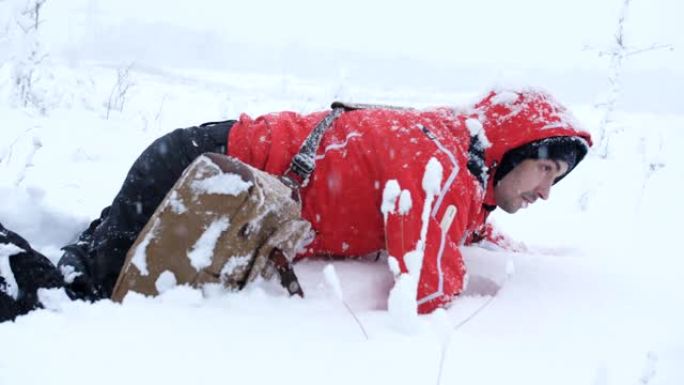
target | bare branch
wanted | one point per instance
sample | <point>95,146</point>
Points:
<point>653,47</point>
<point>27,62</point>
<point>117,96</point>
<point>617,53</point>
<point>28,163</point>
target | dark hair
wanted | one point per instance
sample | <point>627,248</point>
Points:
<point>570,149</point>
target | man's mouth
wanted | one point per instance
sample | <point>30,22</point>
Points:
<point>527,200</point>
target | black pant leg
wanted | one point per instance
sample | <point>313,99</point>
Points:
<point>147,183</point>
<point>23,271</point>
<point>102,248</point>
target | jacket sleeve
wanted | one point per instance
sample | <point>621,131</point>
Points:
<point>422,246</point>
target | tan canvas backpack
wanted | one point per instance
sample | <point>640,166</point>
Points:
<point>222,222</point>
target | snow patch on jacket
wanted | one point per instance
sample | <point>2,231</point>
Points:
<point>6,251</point>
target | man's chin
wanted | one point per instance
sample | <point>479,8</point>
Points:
<point>511,209</point>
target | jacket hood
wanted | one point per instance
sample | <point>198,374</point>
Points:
<point>513,118</point>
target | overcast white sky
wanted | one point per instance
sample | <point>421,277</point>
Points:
<point>447,45</point>
<point>515,33</point>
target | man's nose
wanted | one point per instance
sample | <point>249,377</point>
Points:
<point>544,190</point>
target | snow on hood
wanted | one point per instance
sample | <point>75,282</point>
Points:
<point>512,118</point>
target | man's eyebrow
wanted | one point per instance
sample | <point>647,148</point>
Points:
<point>557,163</point>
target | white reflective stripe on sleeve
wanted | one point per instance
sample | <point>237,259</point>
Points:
<point>448,218</point>
<point>440,274</point>
<point>447,185</point>
<point>450,179</point>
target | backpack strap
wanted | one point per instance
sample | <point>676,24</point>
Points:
<point>303,164</point>
<point>288,278</point>
<point>297,176</point>
<point>366,106</point>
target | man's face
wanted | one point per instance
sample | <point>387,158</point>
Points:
<point>529,180</point>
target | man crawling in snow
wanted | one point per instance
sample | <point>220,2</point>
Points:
<point>415,183</point>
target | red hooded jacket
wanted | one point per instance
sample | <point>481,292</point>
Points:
<point>413,182</point>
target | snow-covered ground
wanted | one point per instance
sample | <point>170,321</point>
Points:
<point>596,298</point>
